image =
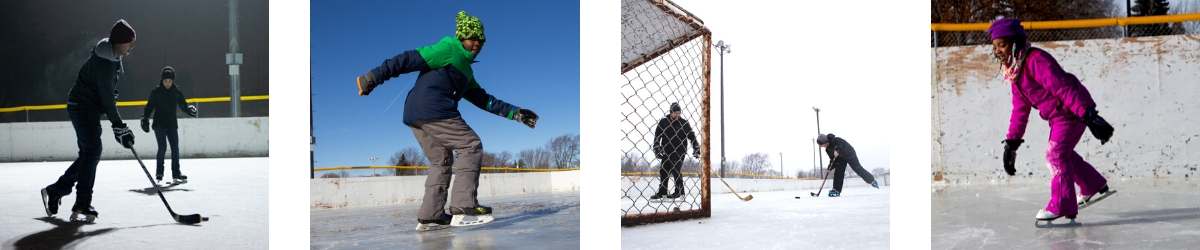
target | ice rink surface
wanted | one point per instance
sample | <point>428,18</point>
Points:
<point>776,220</point>
<point>531,221</point>
<point>232,192</point>
<point>1144,214</point>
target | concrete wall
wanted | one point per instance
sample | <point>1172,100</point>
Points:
<point>393,190</point>
<point>205,137</point>
<point>1147,87</point>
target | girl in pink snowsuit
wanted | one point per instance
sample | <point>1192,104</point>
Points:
<point>1039,82</point>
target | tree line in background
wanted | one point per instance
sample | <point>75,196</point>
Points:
<point>561,152</point>
<point>755,165</point>
<point>974,11</point>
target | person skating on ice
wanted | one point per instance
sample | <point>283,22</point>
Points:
<point>431,112</point>
<point>842,154</point>
<point>162,103</point>
<point>94,94</point>
<point>671,137</point>
<point>1038,81</point>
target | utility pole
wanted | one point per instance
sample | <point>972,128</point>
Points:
<point>234,60</point>
<point>722,49</point>
<point>820,161</point>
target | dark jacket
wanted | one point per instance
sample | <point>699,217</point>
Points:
<point>95,88</point>
<point>845,152</point>
<point>671,138</point>
<point>436,93</point>
<point>162,103</point>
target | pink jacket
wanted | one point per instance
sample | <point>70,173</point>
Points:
<point>1044,85</point>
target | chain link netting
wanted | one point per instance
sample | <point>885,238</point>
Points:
<point>665,61</point>
<point>960,38</point>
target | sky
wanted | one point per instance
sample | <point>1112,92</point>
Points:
<point>531,59</point>
<point>776,73</point>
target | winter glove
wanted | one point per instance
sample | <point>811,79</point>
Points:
<point>1010,155</point>
<point>146,125</point>
<point>1099,127</point>
<point>192,111</point>
<point>526,117</point>
<point>366,83</point>
<point>696,153</point>
<point>658,154</point>
<point>123,134</point>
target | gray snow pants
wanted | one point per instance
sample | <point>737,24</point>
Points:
<point>452,147</point>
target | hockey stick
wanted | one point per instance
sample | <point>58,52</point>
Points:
<point>823,179</point>
<point>185,219</point>
<point>735,193</point>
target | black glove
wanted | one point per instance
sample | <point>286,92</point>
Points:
<point>366,83</point>
<point>696,153</point>
<point>526,117</point>
<point>123,134</point>
<point>192,111</point>
<point>1010,155</point>
<point>1099,127</point>
<point>146,125</point>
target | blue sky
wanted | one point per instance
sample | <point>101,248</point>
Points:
<point>531,59</point>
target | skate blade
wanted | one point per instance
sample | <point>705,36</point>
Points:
<point>1053,222</point>
<point>470,220</point>
<point>46,203</point>
<point>430,227</point>
<point>1097,199</point>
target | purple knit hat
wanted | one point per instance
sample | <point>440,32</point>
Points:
<point>1006,28</point>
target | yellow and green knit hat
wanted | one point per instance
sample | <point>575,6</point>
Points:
<point>468,27</point>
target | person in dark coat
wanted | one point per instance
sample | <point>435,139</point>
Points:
<point>671,138</point>
<point>94,94</point>
<point>842,154</point>
<point>162,103</point>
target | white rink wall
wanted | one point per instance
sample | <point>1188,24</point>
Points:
<point>198,138</point>
<point>329,193</point>
<point>1147,87</point>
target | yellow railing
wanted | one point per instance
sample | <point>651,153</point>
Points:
<point>508,169</point>
<point>1073,24</point>
<point>134,103</point>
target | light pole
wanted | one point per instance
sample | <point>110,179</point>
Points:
<point>722,49</point>
<point>820,162</point>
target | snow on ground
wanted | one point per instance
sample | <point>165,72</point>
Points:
<point>1143,214</point>
<point>529,221</point>
<point>232,192</point>
<point>776,220</point>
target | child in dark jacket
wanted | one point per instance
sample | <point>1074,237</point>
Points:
<point>162,103</point>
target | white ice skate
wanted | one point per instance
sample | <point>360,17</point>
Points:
<point>1089,200</point>
<point>461,217</point>
<point>1046,219</point>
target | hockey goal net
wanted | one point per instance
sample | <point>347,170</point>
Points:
<point>665,58</point>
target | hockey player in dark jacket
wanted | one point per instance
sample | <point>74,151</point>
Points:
<point>431,110</point>
<point>162,103</point>
<point>94,94</point>
<point>671,138</point>
<point>841,154</point>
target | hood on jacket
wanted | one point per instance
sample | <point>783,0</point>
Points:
<point>104,50</point>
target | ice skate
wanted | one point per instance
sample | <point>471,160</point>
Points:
<point>835,193</point>
<point>177,180</point>
<point>471,216</point>
<point>1046,219</point>
<point>658,196</point>
<point>88,215</point>
<point>1088,200</point>
<point>431,225</point>
<point>50,201</point>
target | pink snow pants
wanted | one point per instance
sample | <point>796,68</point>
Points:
<point>1068,168</point>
